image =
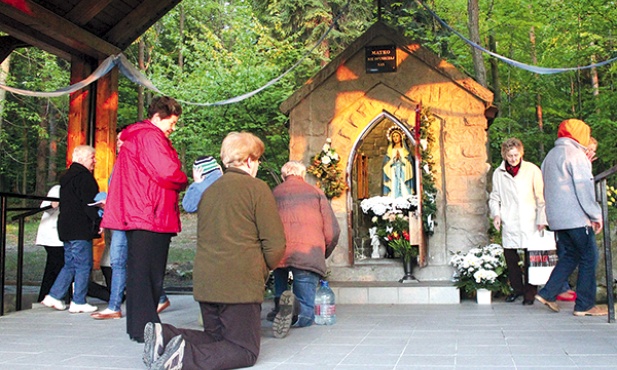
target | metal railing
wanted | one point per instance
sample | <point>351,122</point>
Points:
<point>4,211</point>
<point>601,196</point>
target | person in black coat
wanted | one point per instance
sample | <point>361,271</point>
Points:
<point>78,224</point>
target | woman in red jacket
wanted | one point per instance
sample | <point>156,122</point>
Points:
<point>143,201</point>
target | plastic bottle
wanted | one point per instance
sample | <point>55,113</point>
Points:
<point>325,305</point>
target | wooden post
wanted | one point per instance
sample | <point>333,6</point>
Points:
<point>105,93</point>
<point>106,119</point>
<point>78,108</point>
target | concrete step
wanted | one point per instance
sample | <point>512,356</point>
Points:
<point>388,292</point>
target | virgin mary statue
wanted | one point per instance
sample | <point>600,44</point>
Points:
<point>398,166</point>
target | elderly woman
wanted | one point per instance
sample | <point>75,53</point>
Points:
<point>240,238</point>
<point>517,204</point>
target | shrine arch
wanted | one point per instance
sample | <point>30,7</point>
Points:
<point>363,171</point>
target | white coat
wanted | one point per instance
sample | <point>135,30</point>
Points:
<point>519,201</point>
<point>47,233</point>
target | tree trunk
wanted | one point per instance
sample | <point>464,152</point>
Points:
<point>181,32</point>
<point>473,13</point>
<point>40,187</point>
<point>141,46</point>
<point>494,63</point>
<point>539,116</point>
<point>4,72</point>
<point>595,81</point>
<point>25,160</point>
<point>52,170</point>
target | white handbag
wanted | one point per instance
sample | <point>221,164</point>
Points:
<point>542,252</point>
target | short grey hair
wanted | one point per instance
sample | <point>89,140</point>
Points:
<point>82,152</point>
<point>293,168</point>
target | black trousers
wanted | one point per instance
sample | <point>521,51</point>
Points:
<point>145,271</point>
<point>518,282</point>
<point>53,265</point>
<point>99,291</point>
<point>230,339</point>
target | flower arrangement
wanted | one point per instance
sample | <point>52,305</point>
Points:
<point>325,166</point>
<point>481,268</point>
<point>427,164</point>
<point>391,222</point>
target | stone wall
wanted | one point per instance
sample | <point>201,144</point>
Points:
<point>345,106</point>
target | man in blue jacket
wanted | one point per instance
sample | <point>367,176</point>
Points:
<point>574,215</point>
<point>205,171</point>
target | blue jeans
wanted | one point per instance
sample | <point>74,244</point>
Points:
<point>304,288</point>
<point>578,249</point>
<point>566,284</point>
<point>118,251</point>
<point>77,265</point>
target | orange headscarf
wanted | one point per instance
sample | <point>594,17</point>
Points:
<point>576,130</point>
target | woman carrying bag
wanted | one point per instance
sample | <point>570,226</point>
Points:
<point>517,208</point>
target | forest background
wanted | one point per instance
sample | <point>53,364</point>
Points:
<point>207,51</point>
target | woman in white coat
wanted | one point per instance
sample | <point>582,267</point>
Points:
<point>47,237</point>
<point>517,206</point>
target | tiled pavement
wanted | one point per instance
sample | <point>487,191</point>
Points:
<point>465,335</point>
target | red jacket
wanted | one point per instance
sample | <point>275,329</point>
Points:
<point>143,192</point>
<point>311,228</point>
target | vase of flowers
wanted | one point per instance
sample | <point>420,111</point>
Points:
<point>390,218</point>
<point>481,268</point>
<point>325,167</point>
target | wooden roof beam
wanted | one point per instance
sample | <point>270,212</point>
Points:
<point>8,44</point>
<point>57,28</point>
<point>85,10</point>
<point>138,21</point>
<point>36,39</point>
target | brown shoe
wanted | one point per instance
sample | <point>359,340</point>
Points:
<point>162,306</point>
<point>552,305</point>
<point>593,311</point>
<point>106,315</point>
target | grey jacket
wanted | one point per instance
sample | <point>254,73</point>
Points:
<point>568,187</point>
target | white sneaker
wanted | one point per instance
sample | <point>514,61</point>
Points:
<point>52,302</point>
<point>79,308</point>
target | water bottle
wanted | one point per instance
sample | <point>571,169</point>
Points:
<point>325,307</point>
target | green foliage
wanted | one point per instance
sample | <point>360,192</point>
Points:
<point>230,48</point>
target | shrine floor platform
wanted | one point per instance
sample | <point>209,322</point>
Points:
<point>368,336</point>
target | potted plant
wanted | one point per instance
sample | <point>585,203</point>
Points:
<point>481,268</point>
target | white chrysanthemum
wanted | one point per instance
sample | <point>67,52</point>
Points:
<point>325,160</point>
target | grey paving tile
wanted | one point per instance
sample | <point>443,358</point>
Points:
<point>544,360</point>
<point>484,360</point>
<point>464,336</point>
<point>302,358</point>
<point>423,360</point>
<point>370,359</point>
<point>431,349</point>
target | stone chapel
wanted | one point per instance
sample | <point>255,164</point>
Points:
<point>379,82</point>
